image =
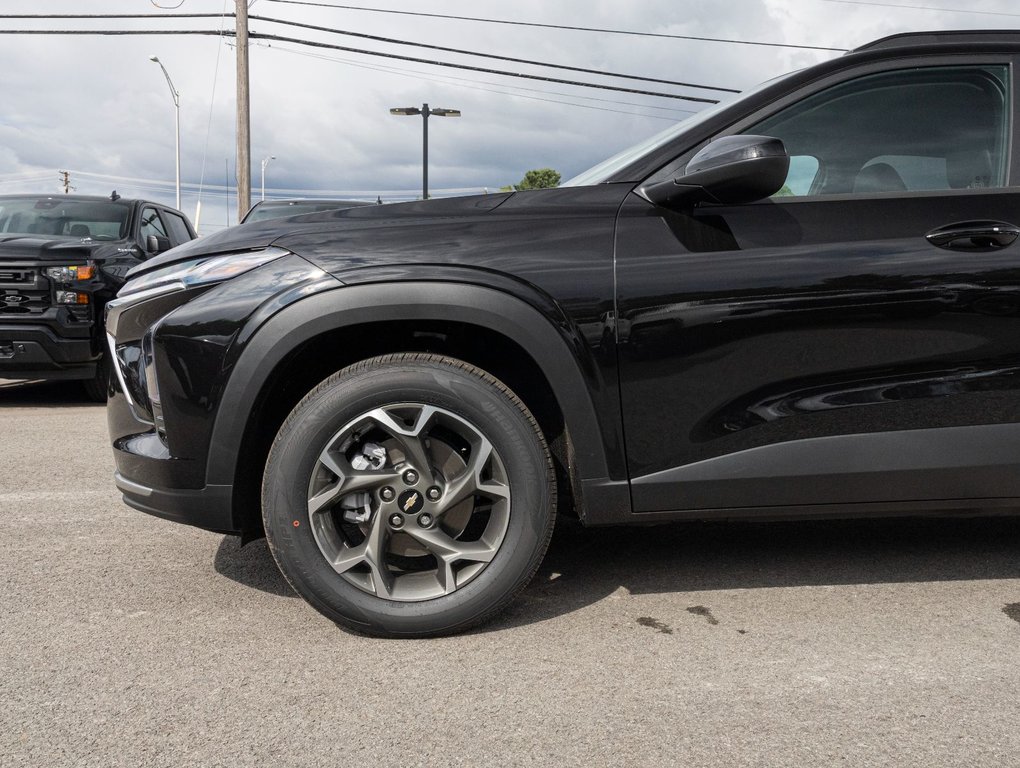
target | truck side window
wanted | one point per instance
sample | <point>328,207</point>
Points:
<point>151,224</point>
<point>178,228</point>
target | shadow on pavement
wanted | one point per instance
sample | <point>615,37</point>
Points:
<point>584,565</point>
<point>32,394</point>
<point>251,565</point>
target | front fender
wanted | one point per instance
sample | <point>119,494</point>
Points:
<point>575,383</point>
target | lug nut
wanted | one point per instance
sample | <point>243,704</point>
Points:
<point>397,521</point>
<point>410,477</point>
<point>387,494</point>
<point>433,493</point>
<point>424,519</point>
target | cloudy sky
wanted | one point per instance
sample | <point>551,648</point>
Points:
<point>96,105</point>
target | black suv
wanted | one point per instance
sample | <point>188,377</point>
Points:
<point>61,259</point>
<point>802,303</point>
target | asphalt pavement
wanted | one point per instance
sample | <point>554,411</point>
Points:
<point>127,641</point>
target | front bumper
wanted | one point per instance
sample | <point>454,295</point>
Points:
<point>153,481</point>
<point>177,348</point>
<point>207,508</point>
<point>29,351</point>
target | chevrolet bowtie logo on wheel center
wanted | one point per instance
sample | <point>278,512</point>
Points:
<point>411,502</point>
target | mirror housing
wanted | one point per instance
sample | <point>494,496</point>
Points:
<point>730,171</point>
<point>156,244</point>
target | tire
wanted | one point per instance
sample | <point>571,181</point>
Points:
<point>97,388</point>
<point>391,552</point>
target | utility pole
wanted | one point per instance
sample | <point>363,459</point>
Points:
<point>65,179</point>
<point>243,115</point>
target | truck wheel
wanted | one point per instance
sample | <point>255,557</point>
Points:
<point>97,388</point>
<point>409,495</point>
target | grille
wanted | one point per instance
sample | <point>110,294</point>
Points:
<point>27,301</point>
<point>17,276</point>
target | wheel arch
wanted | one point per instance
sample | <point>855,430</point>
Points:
<point>500,333</point>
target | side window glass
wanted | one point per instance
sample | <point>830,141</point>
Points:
<point>178,228</point>
<point>935,128</point>
<point>151,224</point>
<point>801,178</point>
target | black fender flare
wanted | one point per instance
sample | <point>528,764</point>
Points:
<point>361,304</point>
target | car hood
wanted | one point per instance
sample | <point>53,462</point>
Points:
<point>35,248</point>
<point>262,234</point>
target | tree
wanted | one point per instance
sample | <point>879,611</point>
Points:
<point>539,178</point>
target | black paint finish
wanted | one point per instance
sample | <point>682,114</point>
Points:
<point>830,355</point>
<point>780,321</point>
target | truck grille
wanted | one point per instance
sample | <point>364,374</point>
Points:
<point>23,291</point>
<point>16,276</point>
<point>26,301</point>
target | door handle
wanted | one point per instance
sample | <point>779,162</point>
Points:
<point>974,236</point>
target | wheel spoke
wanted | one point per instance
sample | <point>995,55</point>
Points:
<point>410,440</point>
<point>349,480</point>
<point>449,549</point>
<point>349,557</point>
<point>375,557</point>
<point>469,482</point>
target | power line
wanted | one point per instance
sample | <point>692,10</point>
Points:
<point>114,15</point>
<point>333,30</point>
<point>460,81</point>
<point>445,49</point>
<point>486,70</point>
<point>922,8</point>
<point>420,75</point>
<point>348,49</point>
<point>559,26</point>
<point>115,32</point>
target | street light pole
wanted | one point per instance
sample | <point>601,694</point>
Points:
<point>177,123</point>
<point>425,151</point>
<point>265,162</point>
<point>425,112</point>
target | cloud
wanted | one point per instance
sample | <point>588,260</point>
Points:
<point>96,105</point>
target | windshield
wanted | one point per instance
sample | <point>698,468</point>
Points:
<point>57,217</point>
<point>604,170</point>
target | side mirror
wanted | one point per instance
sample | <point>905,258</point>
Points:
<point>731,170</point>
<point>156,244</point>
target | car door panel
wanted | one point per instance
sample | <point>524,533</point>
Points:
<point>755,326</point>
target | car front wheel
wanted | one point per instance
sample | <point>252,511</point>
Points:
<point>409,495</point>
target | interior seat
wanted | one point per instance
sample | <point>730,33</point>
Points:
<point>880,177</point>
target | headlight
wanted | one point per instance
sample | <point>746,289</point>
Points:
<point>71,274</point>
<point>188,274</point>
<point>72,297</point>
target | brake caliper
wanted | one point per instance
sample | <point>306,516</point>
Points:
<point>357,507</point>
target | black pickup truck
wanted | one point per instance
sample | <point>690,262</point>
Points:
<point>61,259</point>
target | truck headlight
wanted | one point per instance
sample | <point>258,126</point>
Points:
<point>72,297</point>
<point>71,274</point>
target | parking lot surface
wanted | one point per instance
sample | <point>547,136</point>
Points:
<point>126,640</point>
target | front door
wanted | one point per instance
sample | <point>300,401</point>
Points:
<point>855,338</point>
